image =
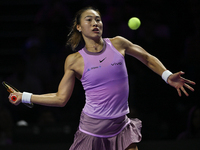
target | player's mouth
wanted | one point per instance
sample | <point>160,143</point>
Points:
<point>96,30</point>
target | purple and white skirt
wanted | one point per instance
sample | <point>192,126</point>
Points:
<point>106,134</point>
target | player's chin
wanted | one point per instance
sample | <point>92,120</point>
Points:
<point>97,35</point>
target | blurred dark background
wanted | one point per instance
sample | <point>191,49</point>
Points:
<point>33,35</point>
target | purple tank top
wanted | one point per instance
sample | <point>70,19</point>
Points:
<point>105,81</point>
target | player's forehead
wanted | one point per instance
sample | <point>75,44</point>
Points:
<point>90,13</point>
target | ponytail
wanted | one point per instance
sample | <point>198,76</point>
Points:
<point>75,36</point>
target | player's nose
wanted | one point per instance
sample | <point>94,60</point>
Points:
<point>94,23</point>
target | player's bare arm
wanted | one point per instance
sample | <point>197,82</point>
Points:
<point>64,92</point>
<point>65,87</point>
<point>124,46</point>
<point>175,80</point>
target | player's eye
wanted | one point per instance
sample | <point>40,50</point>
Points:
<point>89,19</point>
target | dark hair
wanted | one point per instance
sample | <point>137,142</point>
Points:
<point>75,35</point>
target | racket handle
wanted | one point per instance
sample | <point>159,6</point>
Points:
<point>13,98</point>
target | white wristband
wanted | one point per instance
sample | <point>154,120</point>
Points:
<point>26,97</point>
<point>166,74</point>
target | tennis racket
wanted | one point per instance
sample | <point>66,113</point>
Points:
<point>12,89</point>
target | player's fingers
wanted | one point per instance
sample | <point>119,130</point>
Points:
<point>189,87</point>
<point>179,92</point>
<point>184,91</point>
<point>9,97</point>
<point>188,81</point>
<point>13,99</point>
<point>10,100</point>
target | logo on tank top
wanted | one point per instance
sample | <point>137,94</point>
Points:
<point>116,64</point>
<point>97,67</point>
<point>92,68</point>
<point>102,60</point>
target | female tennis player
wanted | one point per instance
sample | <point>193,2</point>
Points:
<point>100,66</point>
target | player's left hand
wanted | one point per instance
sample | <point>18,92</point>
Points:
<point>179,83</point>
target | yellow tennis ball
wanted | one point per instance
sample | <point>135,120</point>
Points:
<point>134,23</point>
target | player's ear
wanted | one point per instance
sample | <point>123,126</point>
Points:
<point>78,27</point>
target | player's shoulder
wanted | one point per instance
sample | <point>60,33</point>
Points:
<point>72,59</point>
<point>118,40</point>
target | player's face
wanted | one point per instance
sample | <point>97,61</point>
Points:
<point>91,25</point>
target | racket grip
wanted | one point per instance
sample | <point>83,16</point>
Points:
<point>13,98</point>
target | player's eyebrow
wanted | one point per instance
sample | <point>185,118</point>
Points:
<point>92,16</point>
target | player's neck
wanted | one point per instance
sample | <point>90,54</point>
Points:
<point>94,46</point>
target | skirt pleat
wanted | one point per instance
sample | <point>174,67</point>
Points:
<point>130,134</point>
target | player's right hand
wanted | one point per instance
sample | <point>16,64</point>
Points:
<point>18,99</point>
